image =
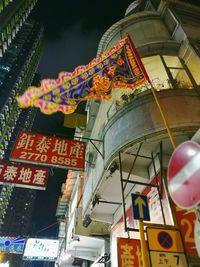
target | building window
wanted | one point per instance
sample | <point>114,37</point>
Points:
<point>157,72</point>
<point>193,64</point>
<point>178,72</point>
<point>170,21</point>
<point>167,72</point>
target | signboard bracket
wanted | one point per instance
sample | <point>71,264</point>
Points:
<point>155,173</point>
<point>91,140</point>
<point>124,182</point>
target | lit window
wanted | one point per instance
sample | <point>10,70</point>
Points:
<point>193,64</point>
<point>179,74</point>
<point>156,72</point>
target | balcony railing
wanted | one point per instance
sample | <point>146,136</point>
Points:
<point>138,118</point>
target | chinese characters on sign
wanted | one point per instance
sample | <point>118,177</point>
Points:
<point>165,259</point>
<point>166,248</point>
<point>129,253</point>
<point>38,249</point>
<point>185,221</point>
<point>23,176</point>
<point>49,150</point>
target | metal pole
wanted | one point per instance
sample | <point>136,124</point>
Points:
<point>143,244</point>
<point>124,187</point>
<point>163,117</point>
<point>161,169</point>
<point>123,200</point>
<point>159,194</point>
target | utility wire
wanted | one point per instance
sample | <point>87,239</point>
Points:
<point>45,228</point>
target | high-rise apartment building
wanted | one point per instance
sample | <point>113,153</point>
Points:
<point>20,50</point>
<point>134,148</point>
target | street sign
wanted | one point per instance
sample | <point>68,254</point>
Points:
<point>140,207</point>
<point>166,259</point>
<point>164,240</point>
<point>166,248</point>
<point>183,175</point>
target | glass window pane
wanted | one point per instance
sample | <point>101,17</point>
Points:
<point>156,72</point>
<point>181,79</point>
<point>193,64</point>
<point>172,61</point>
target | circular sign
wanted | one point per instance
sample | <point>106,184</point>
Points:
<point>184,174</point>
<point>7,243</point>
<point>165,240</point>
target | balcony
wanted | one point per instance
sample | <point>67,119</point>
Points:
<point>137,121</point>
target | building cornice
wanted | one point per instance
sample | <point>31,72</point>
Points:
<point>121,24</point>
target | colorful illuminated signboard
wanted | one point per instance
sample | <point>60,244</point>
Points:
<point>12,245</point>
<point>119,67</point>
<point>23,176</point>
<point>49,150</point>
<point>41,249</point>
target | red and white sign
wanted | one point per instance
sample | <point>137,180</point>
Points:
<point>49,150</point>
<point>23,176</point>
<point>154,208</point>
<point>183,175</point>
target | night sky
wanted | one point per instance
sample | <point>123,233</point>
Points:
<point>72,31</point>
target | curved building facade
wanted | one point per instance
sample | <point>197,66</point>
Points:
<point>131,136</point>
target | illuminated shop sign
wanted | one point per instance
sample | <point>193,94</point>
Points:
<point>41,249</point>
<point>12,245</point>
<point>23,175</point>
<point>49,150</point>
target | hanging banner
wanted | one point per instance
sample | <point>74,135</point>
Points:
<point>119,67</point>
<point>23,176</point>
<point>49,150</point>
